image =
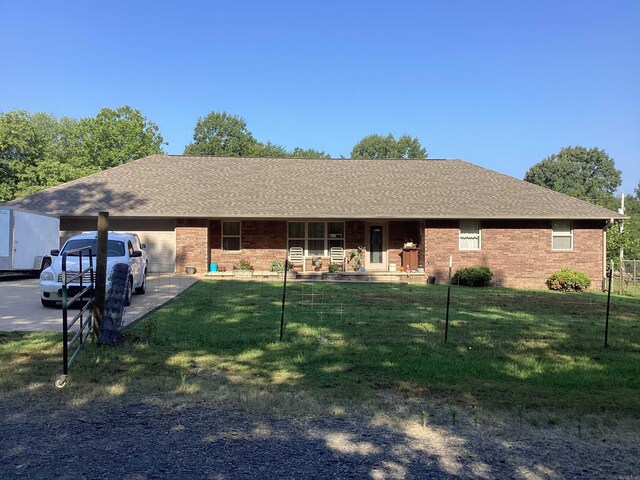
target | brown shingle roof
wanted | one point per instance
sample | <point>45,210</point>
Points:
<point>221,187</point>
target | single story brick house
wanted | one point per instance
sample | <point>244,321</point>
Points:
<point>194,210</point>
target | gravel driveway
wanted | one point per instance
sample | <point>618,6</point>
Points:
<point>20,307</point>
<point>199,440</point>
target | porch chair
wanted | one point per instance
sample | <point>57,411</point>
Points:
<point>336,255</point>
<point>296,256</point>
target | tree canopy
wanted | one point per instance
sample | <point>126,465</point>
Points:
<point>377,146</point>
<point>39,150</point>
<point>225,135</point>
<point>222,134</point>
<point>588,174</point>
<point>117,136</point>
<point>629,239</point>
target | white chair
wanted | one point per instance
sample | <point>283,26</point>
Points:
<point>336,255</point>
<point>296,256</point>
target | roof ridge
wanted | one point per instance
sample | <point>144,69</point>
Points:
<point>313,158</point>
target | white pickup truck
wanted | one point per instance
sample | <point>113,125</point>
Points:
<point>121,248</point>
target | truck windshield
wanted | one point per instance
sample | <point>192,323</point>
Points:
<point>115,248</point>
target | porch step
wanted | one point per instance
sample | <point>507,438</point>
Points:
<point>366,277</point>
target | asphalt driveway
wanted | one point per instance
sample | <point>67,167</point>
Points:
<point>20,307</point>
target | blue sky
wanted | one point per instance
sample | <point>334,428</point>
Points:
<point>502,84</point>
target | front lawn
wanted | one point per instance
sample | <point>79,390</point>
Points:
<point>359,343</point>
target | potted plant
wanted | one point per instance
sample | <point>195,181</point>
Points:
<point>243,269</point>
<point>355,258</point>
<point>333,272</point>
<point>277,266</point>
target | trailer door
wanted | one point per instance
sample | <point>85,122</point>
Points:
<point>33,236</point>
<point>5,239</point>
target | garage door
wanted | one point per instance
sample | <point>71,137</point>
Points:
<point>158,234</point>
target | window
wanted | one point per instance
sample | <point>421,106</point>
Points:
<point>316,238</point>
<point>115,248</point>
<point>230,236</point>
<point>469,237</point>
<point>561,235</point>
<point>315,235</point>
<point>296,234</point>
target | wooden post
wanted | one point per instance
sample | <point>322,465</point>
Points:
<point>101,271</point>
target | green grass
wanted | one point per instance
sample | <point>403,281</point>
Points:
<point>352,344</point>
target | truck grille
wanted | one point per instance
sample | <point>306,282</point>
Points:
<point>86,277</point>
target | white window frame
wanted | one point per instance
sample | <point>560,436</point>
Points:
<point>568,235</point>
<point>325,239</point>
<point>474,236</point>
<point>223,236</point>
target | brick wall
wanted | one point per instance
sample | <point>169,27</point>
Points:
<point>192,239</point>
<point>399,233</point>
<point>264,241</point>
<point>261,243</point>
<point>518,252</point>
<point>354,237</point>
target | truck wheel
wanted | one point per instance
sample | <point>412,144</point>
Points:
<point>128,292</point>
<point>142,288</point>
<point>48,303</point>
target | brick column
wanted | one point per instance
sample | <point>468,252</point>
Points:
<point>192,244</point>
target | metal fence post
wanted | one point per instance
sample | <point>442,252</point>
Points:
<point>446,318</point>
<point>284,296</point>
<point>606,322</point>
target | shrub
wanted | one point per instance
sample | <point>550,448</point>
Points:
<point>334,268</point>
<point>566,280</point>
<point>473,277</point>
<point>244,265</point>
<point>276,266</point>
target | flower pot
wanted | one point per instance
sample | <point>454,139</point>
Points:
<point>243,273</point>
<point>190,270</point>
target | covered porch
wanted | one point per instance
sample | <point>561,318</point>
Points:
<point>367,245</point>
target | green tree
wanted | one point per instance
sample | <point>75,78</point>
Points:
<point>377,146</point>
<point>308,153</point>
<point>35,152</point>
<point>629,239</point>
<point>115,137</point>
<point>588,174</point>
<point>268,150</point>
<point>39,151</point>
<point>222,134</point>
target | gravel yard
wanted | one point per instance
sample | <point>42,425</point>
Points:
<point>148,439</point>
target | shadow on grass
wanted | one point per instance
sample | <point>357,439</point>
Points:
<point>350,343</point>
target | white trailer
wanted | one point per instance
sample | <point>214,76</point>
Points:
<point>26,240</point>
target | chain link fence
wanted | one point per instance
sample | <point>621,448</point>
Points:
<point>627,278</point>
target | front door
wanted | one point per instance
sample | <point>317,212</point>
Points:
<point>376,258</point>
